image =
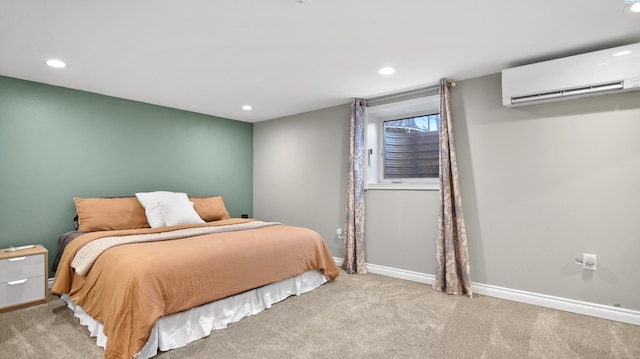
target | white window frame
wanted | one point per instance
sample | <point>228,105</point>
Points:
<point>376,116</point>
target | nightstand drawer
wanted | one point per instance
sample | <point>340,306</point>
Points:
<point>21,267</point>
<point>22,291</point>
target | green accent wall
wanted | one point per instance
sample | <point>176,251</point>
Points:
<point>57,144</point>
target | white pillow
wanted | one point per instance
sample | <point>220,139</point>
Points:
<point>151,200</point>
<point>176,213</point>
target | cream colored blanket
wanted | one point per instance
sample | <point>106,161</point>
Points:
<point>87,255</point>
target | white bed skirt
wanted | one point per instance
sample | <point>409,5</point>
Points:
<point>179,329</point>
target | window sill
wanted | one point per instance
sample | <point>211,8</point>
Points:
<point>402,186</point>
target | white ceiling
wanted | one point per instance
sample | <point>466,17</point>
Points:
<point>284,57</point>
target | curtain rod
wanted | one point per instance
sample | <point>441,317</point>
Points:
<point>415,91</point>
<point>406,94</point>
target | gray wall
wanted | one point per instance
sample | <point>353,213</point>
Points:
<point>57,143</point>
<point>541,185</point>
<point>299,169</point>
<point>401,229</point>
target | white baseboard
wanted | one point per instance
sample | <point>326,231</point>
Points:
<point>50,283</point>
<point>401,274</point>
<point>395,272</point>
<point>568,305</point>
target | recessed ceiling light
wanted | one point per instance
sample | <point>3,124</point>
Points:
<point>386,71</point>
<point>247,107</point>
<point>58,64</point>
<point>622,53</point>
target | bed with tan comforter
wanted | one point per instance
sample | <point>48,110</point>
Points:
<point>128,279</point>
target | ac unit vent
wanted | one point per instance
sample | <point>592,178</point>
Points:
<point>589,74</point>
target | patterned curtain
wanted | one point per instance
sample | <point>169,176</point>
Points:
<point>452,257</point>
<point>354,228</point>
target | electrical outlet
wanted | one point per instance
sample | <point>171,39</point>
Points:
<point>588,261</point>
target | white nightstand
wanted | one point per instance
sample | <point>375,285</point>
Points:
<point>23,278</point>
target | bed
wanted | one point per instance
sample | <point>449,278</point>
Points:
<point>147,287</point>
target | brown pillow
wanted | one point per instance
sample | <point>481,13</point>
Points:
<point>210,208</point>
<point>105,214</point>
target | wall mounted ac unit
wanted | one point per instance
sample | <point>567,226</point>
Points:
<point>608,71</point>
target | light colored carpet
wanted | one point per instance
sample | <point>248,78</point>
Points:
<point>364,316</point>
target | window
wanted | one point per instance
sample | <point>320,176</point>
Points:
<point>411,147</point>
<point>403,144</point>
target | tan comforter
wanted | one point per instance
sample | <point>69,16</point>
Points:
<point>130,286</point>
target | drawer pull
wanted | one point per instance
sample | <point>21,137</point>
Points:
<point>16,282</point>
<point>17,259</point>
